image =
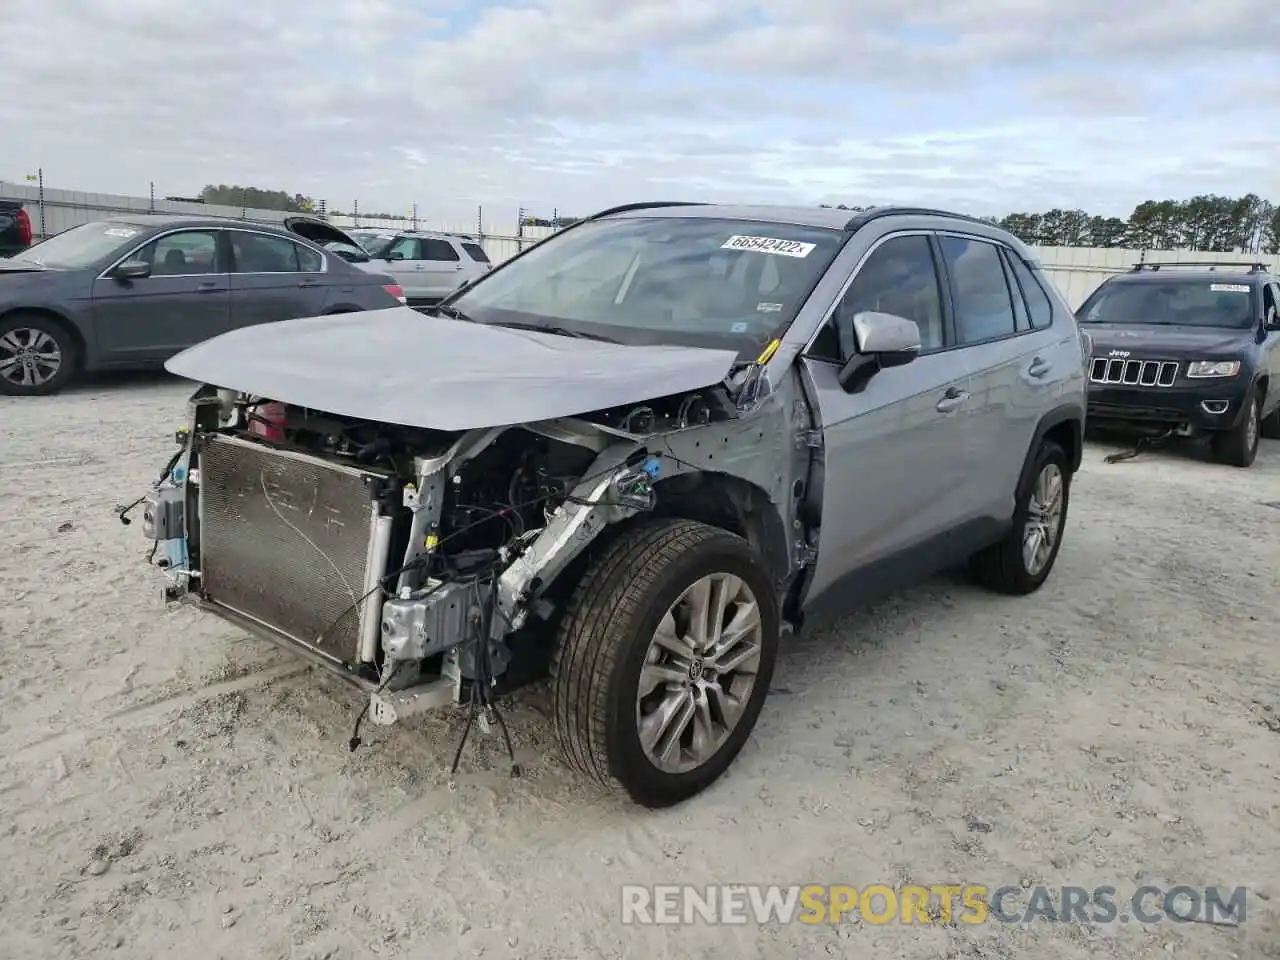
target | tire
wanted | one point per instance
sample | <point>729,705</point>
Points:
<point>20,331</point>
<point>1004,567</point>
<point>604,646</point>
<point>1238,446</point>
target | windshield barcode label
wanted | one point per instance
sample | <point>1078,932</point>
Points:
<point>783,248</point>
<point>1229,287</point>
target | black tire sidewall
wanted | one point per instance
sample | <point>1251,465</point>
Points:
<point>1048,453</point>
<point>66,343</point>
<point>628,763</point>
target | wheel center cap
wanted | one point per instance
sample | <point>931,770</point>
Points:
<point>695,669</point>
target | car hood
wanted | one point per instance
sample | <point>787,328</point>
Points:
<point>8,266</point>
<point>1152,339</point>
<point>400,366</point>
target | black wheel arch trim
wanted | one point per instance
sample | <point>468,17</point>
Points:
<point>1066,413</point>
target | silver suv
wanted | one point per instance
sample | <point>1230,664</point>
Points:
<point>634,457</point>
<point>428,265</point>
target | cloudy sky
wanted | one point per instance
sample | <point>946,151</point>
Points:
<point>985,106</point>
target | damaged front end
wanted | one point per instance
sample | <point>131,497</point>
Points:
<point>420,565</point>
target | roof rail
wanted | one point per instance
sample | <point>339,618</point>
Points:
<point>1153,265</point>
<point>861,219</point>
<point>643,205</point>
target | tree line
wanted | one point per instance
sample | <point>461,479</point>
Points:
<point>1208,222</point>
<point>233,195</point>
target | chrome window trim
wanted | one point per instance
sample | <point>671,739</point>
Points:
<point>104,275</point>
<point>324,256</point>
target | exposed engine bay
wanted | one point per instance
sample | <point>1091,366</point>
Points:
<point>420,564</point>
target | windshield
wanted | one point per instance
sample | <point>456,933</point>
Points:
<point>374,243</point>
<point>348,252</point>
<point>82,246</point>
<point>1173,302</point>
<point>728,284</point>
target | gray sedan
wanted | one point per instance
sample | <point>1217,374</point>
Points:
<point>132,291</point>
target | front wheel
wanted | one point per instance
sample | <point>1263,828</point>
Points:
<point>37,355</point>
<point>664,659</point>
<point>1020,563</point>
<point>1238,446</point>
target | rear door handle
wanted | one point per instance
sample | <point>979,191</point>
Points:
<point>953,399</point>
<point>309,283</point>
<point>1039,367</point>
<point>209,286</point>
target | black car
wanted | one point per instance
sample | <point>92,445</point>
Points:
<point>132,291</point>
<point>1188,349</point>
<point>15,228</point>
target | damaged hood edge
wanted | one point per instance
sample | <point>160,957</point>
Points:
<point>402,367</point>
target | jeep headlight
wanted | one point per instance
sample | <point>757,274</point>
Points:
<point>1213,368</point>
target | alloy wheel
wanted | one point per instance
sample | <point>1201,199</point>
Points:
<point>1044,519</point>
<point>699,672</point>
<point>29,357</point>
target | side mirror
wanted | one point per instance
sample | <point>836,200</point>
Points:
<point>870,342</point>
<point>132,270</point>
<point>394,256</point>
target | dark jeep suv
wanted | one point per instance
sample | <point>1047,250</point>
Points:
<point>1191,349</point>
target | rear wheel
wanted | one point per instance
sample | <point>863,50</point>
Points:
<point>37,355</point>
<point>1238,446</point>
<point>1020,563</point>
<point>664,659</point>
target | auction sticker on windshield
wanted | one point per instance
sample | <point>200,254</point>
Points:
<point>123,232</point>
<point>1229,287</point>
<point>784,248</point>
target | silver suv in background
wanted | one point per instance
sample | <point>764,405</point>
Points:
<point>428,265</point>
<point>659,441</point>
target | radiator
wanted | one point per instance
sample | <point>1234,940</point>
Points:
<point>290,540</point>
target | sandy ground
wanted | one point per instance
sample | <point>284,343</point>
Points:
<point>171,788</point>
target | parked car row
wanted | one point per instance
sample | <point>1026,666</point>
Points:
<point>428,265</point>
<point>131,291</point>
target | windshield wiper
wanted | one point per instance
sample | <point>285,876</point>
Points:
<point>559,331</point>
<point>451,312</point>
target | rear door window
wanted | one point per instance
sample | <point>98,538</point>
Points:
<point>309,261</point>
<point>259,253</point>
<point>476,252</point>
<point>439,250</point>
<point>979,290</point>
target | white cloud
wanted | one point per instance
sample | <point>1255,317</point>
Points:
<point>983,105</point>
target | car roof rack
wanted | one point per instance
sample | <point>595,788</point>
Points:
<point>1254,266</point>
<point>862,218</point>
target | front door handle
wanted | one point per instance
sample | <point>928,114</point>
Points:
<point>209,286</point>
<point>1039,367</point>
<point>953,399</point>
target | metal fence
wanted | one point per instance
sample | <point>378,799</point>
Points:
<point>1076,271</point>
<point>53,210</point>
